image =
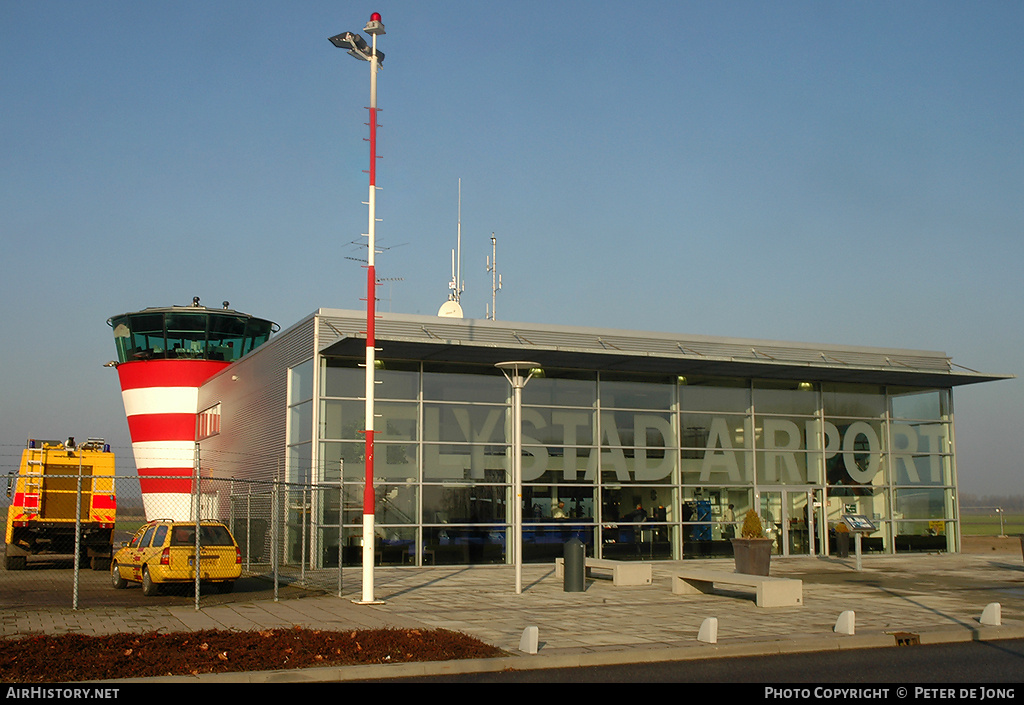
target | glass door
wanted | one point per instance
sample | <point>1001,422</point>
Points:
<point>770,507</point>
<point>789,516</point>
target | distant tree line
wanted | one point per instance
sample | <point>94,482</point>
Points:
<point>1010,503</point>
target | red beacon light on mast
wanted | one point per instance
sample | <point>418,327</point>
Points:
<point>374,26</point>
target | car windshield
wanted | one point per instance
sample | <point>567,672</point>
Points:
<point>209,535</point>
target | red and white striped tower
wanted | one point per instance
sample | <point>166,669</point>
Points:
<point>160,400</point>
<point>165,354</point>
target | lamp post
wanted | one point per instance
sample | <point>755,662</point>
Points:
<point>518,373</point>
<point>358,48</point>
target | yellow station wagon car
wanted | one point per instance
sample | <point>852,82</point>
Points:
<point>162,552</point>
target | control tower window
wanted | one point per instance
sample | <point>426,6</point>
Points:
<point>140,337</point>
<point>227,338</point>
<point>257,332</point>
<point>186,335</point>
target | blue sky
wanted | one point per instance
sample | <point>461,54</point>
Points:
<point>846,173</point>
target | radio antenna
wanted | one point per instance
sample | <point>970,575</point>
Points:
<point>452,308</point>
<point>492,267</point>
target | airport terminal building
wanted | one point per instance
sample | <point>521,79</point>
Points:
<point>643,445</point>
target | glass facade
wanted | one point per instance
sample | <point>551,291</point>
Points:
<point>636,467</point>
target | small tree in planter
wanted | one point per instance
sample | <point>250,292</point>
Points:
<point>752,550</point>
<point>752,528</point>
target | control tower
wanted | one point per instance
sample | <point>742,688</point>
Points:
<point>163,356</point>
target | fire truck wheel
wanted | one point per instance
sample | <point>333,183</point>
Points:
<point>149,588</point>
<point>116,580</point>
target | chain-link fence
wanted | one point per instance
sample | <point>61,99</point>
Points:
<point>63,532</point>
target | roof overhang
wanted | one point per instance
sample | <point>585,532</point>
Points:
<point>430,339</point>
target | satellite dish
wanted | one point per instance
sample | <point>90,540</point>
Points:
<point>450,309</point>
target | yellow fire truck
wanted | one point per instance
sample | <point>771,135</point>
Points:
<point>45,494</point>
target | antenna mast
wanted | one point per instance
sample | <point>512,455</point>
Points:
<point>451,308</point>
<point>492,267</point>
<point>457,286</point>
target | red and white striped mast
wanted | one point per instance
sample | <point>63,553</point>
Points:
<point>357,47</point>
<point>373,28</point>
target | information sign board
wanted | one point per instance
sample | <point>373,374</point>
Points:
<point>859,523</point>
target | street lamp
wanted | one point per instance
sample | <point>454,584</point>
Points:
<point>358,48</point>
<point>518,373</point>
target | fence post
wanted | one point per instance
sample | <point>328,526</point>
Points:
<point>78,535</point>
<point>248,526</point>
<point>197,499</point>
<point>274,500</point>
<point>341,522</point>
<point>304,518</point>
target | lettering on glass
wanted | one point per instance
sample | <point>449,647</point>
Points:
<point>647,451</point>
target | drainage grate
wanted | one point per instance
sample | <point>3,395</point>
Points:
<point>907,639</point>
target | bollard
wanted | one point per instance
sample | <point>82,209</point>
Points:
<point>575,573</point>
<point>992,615</point>
<point>708,631</point>
<point>529,642</point>
<point>846,624</point>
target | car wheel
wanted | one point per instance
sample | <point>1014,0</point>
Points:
<point>149,588</point>
<point>116,580</point>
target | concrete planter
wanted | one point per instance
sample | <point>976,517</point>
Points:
<point>753,556</point>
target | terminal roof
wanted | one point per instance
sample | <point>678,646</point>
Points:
<point>486,342</point>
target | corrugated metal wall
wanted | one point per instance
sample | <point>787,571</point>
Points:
<point>254,392</point>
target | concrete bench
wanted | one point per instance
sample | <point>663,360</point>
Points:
<point>622,572</point>
<point>771,592</point>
